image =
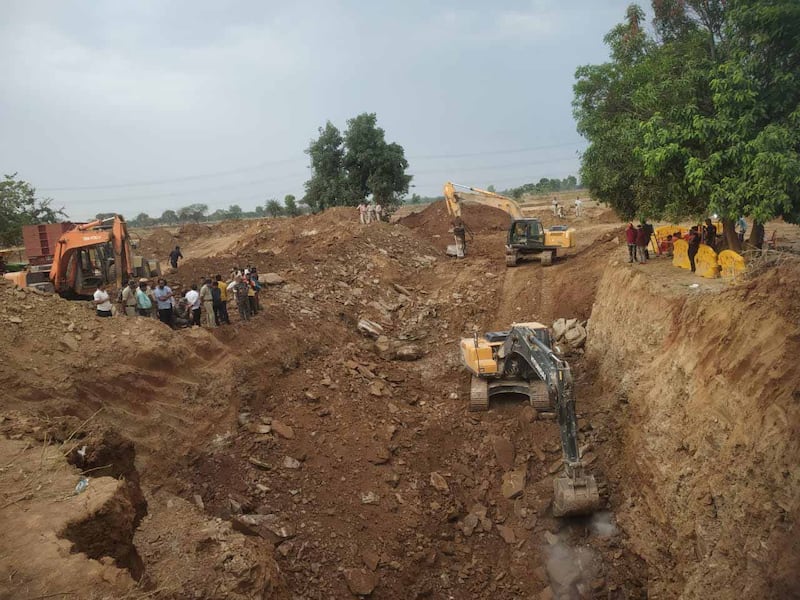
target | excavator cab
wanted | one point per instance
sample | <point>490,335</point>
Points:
<point>526,233</point>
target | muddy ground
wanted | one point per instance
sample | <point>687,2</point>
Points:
<point>295,457</point>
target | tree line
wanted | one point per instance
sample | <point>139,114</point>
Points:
<point>701,115</point>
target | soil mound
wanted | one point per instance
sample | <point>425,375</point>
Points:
<point>159,243</point>
<point>435,221</point>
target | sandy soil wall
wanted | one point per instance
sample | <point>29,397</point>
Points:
<point>706,389</point>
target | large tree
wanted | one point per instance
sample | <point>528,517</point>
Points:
<point>290,202</point>
<point>702,117</point>
<point>345,169</point>
<point>20,206</point>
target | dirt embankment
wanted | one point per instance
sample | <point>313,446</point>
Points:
<point>704,389</point>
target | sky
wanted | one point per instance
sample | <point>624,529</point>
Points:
<point>137,106</point>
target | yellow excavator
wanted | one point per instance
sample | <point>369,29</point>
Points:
<point>527,238</point>
<point>521,361</point>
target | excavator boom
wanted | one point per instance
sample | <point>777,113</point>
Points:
<point>504,203</point>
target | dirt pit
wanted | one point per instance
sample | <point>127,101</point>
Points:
<point>292,456</point>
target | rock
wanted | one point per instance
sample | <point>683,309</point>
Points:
<point>439,482</point>
<point>546,594</point>
<point>271,279</point>
<point>576,337</point>
<point>507,534</point>
<point>528,414</point>
<point>371,328</point>
<point>570,323</point>
<point>469,524</point>
<point>14,320</point>
<point>399,288</point>
<point>409,352</point>
<point>371,559</point>
<point>198,501</point>
<point>258,428</point>
<point>282,430</point>
<point>290,463</point>
<point>264,466</point>
<point>70,342</point>
<point>559,328</point>
<point>513,484</point>
<point>504,452</point>
<point>360,581</point>
<point>376,388</point>
<point>382,344</point>
<point>370,498</point>
<point>244,418</point>
<point>270,527</point>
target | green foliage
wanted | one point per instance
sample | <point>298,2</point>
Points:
<point>703,119</point>
<point>290,203</point>
<point>19,206</point>
<point>346,169</point>
<point>142,220</point>
<point>193,212</point>
<point>274,208</point>
<point>544,186</point>
<point>169,217</point>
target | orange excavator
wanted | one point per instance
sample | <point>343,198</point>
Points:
<point>100,251</point>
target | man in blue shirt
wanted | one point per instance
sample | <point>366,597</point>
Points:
<point>163,295</point>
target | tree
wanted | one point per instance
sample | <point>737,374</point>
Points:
<point>373,166</point>
<point>274,208</point>
<point>169,217</point>
<point>142,220</point>
<point>416,198</point>
<point>490,188</point>
<point>259,212</point>
<point>235,211</point>
<point>327,184</point>
<point>193,212</point>
<point>703,119</point>
<point>346,169</point>
<point>290,202</point>
<point>19,206</point>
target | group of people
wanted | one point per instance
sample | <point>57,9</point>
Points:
<point>638,239</point>
<point>558,209</point>
<point>207,304</point>
<point>367,213</point>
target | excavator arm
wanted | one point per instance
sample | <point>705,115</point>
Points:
<point>484,197</point>
<point>576,493</point>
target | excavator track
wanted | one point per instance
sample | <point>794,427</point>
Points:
<point>540,396</point>
<point>478,394</point>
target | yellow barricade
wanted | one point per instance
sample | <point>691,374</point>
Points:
<point>705,262</point>
<point>732,263</point>
<point>680,254</point>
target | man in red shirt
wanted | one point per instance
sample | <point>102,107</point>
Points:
<point>630,237</point>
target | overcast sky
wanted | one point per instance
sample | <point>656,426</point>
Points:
<point>156,104</point>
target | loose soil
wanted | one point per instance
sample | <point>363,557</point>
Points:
<point>293,456</point>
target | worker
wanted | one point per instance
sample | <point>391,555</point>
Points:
<point>742,224</point>
<point>251,294</point>
<point>221,310</point>
<point>144,304</point>
<point>649,231</point>
<point>174,256</point>
<point>362,213</point>
<point>554,205</point>
<point>378,211</point>
<point>641,243</point>
<point>193,298</point>
<point>694,245</point>
<point>710,234</point>
<point>128,299</point>
<point>371,216</point>
<point>665,247</point>
<point>560,210</point>
<point>239,289</point>
<point>460,235</point>
<point>256,287</point>
<point>182,316</point>
<point>102,300</point>
<point>163,295</point>
<point>207,298</point>
<point>578,206</point>
<point>630,237</point>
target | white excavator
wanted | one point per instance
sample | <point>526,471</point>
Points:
<point>527,238</point>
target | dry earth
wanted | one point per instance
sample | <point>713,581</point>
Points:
<point>295,457</point>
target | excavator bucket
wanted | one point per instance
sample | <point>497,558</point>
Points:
<point>575,496</point>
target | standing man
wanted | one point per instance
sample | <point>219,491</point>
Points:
<point>102,300</point>
<point>129,299</point>
<point>240,289</point>
<point>207,298</point>
<point>163,294</point>
<point>578,207</point>
<point>630,237</point>
<point>362,213</point>
<point>460,235</point>
<point>144,305</point>
<point>694,245</point>
<point>174,256</point>
<point>641,243</point>
<point>378,211</point>
<point>742,224</point>
<point>554,205</point>
<point>649,231</point>
<point>710,234</point>
<point>222,310</point>
<point>371,212</point>
<point>193,299</point>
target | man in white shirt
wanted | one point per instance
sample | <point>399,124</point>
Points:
<point>578,207</point>
<point>102,301</point>
<point>362,213</point>
<point>193,298</point>
<point>378,211</point>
